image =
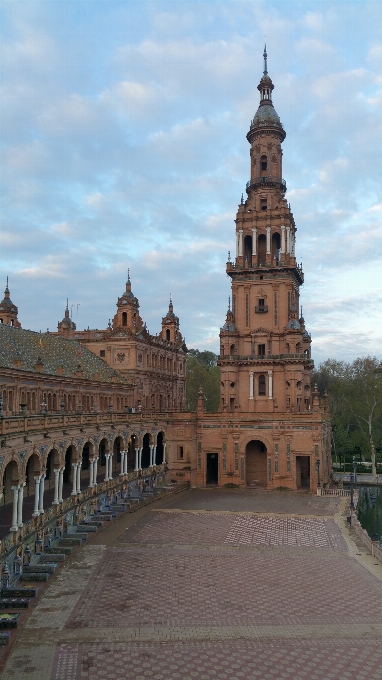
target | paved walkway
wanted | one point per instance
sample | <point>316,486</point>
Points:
<point>212,584</point>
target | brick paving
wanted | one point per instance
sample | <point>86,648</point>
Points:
<point>206,587</point>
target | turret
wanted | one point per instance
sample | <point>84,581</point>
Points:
<point>8,311</point>
<point>66,325</point>
<point>127,317</point>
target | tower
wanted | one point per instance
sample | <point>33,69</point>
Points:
<point>8,311</point>
<point>66,326</point>
<point>170,326</point>
<point>127,317</point>
<point>264,348</point>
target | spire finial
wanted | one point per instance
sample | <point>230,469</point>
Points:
<point>128,276</point>
<point>265,60</point>
<point>67,303</point>
<point>242,199</point>
<point>7,284</point>
<point>229,303</point>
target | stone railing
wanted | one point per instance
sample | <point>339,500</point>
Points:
<point>333,492</point>
<point>373,546</point>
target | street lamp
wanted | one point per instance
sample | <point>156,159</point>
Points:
<point>355,471</point>
<point>374,536</point>
<point>352,506</point>
<point>318,472</point>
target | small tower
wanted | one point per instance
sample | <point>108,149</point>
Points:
<point>66,325</point>
<point>170,325</point>
<point>8,311</point>
<point>127,317</point>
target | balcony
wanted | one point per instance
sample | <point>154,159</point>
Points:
<point>261,309</point>
<point>270,181</point>
<point>264,357</point>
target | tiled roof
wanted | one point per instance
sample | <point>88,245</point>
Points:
<point>54,353</point>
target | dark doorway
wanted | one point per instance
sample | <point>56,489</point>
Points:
<point>146,451</point>
<point>159,454</point>
<point>303,472</point>
<point>256,463</point>
<point>212,468</point>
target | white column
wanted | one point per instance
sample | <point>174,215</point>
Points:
<point>41,501</point>
<point>155,456</point>
<point>270,385</point>
<point>95,472</point>
<point>56,476</point>
<point>282,249</point>
<point>126,460</point>
<point>251,385</point>
<point>107,467</point>
<point>268,240</point>
<point>15,490</point>
<point>237,244</point>
<point>60,484</point>
<point>254,241</point>
<point>20,506</point>
<point>140,457</point>
<point>122,463</point>
<point>78,489</point>
<point>288,239</point>
<point>164,453</point>
<point>36,496</point>
<point>151,455</point>
<point>111,466</point>
<point>240,242</point>
<point>136,459</point>
<point>74,490</point>
<point>91,467</point>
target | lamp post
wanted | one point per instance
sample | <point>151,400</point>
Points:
<point>318,472</point>
<point>355,471</point>
<point>374,536</point>
<point>352,506</point>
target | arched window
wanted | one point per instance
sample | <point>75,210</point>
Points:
<point>167,334</point>
<point>124,318</point>
<point>263,165</point>
<point>262,391</point>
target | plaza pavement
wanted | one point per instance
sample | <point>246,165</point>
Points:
<point>212,584</point>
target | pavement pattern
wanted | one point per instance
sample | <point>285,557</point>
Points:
<point>212,584</point>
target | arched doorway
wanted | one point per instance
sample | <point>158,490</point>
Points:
<point>131,453</point>
<point>146,451</point>
<point>159,453</point>
<point>51,462</point>
<point>31,471</point>
<point>68,469</point>
<point>256,463</point>
<point>248,250</point>
<point>10,478</point>
<point>117,448</point>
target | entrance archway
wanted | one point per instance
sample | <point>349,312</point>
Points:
<point>303,472</point>
<point>146,451</point>
<point>159,454</point>
<point>212,468</point>
<point>256,463</point>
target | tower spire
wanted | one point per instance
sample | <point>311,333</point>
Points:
<point>265,60</point>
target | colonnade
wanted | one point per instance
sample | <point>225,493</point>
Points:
<point>287,244</point>
<point>18,490</point>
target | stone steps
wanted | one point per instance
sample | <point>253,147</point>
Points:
<point>34,576</point>
<point>8,621</point>
<point>14,603</point>
<point>59,549</point>
<point>24,591</point>
<point>39,568</point>
<point>48,558</point>
<point>71,542</point>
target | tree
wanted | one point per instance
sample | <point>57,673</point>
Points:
<point>355,402</point>
<point>202,371</point>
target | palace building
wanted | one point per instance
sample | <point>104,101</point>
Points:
<point>83,408</point>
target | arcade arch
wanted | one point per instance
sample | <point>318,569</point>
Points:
<point>256,463</point>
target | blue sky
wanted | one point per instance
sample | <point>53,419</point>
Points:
<point>124,145</point>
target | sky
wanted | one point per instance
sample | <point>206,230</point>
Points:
<point>123,132</point>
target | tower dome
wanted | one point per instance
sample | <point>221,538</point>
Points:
<point>8,311</point>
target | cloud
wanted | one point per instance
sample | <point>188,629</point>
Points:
<point>124,128</point>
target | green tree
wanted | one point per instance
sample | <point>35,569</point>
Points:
<point>355,402</point>
<point>202,370</point>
